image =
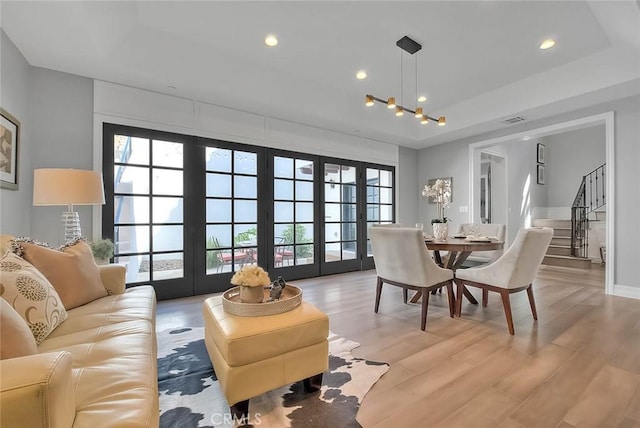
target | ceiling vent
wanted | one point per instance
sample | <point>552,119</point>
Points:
<point>513,120</point>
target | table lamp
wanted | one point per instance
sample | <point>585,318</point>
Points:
<point>54,186</point>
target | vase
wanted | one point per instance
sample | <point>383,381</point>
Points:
<point>440,231</point>
<point>251,294</point>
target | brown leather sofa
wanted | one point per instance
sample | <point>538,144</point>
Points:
<point>96,369</point>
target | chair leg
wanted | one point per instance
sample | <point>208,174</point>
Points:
<point>425,305</point>
<point>532,302</point>
<point>485,297</point>
<point>459,298</point>
<point>378,293</point>
<point>506,302</point>
<point>405,295</point>
<point>451,298</point>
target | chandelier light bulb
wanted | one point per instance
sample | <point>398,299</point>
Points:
<point>418,113</point>
<point>399,111</point>
<point>424,120</point>
<point>391,103</point>
<point>442,121</point>
<point>368,100</point>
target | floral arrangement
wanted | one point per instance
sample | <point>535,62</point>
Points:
<point>251,276</point>
<point>440,191</point>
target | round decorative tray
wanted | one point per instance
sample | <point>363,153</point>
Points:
<point>291,297</point>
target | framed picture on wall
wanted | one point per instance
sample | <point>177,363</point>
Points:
<point>9,141</point>
<point>541,153</point>
<point>540,174</point>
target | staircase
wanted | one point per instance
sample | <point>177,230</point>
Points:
<point>559,251</point>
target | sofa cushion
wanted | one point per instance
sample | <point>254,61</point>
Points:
<point>71,270</point>
<point>15,337</point>
<point>31,295</point>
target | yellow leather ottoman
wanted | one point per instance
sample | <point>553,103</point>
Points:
<point>253,355</point>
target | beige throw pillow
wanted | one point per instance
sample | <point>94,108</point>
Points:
<point>29,293</point>
<point>15,338</point>
<point>72,271</point>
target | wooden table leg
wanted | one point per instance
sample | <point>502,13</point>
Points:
<point>416,297</point>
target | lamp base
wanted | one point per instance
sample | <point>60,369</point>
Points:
<point>71,223</point>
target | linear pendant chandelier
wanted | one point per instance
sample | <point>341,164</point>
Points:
<point>411,46</point>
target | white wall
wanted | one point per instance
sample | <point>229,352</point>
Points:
<point>568,157</point>
<point>15,205</point>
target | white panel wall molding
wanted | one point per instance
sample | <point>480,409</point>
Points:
<point>136,107</point>
<point>626,291</point>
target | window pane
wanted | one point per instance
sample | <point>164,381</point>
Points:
<point>166,153</point>
<point>218,160</point>
<point>244,187</point>
<point>245,163</point>
<point>349,232</point>
<point>332,252</point>
<point>348,251</point>
<point>283,189</point>
<point>215,262</point>
<point>219,185</point>
<point>218,210</point>
<point>304,191</point>
<point>386,195</point>
<point>373,212</point>
<point>167,266</point>
<point>332,232</point>
<point>137,267</point>
<point>348,212</point>
<point>220,234</point>
<point>349,174</point>
<point>130,179</point>
<point>349,193</point>
<point>281,232</point>
<point>304,211</point>
<point>283,212</point>
<point>245,211</point>
<point>245,235</point>
<point>386,212</point>
<point>386,178</point>
<point>332,212</point>
<point>304,254</point>
<point>167,182</point>
<point>131,239</point>
<point>304,233</point>
<point>373,194</point>
<point>130,150</point>
<point>131,209</point>
<point>167,238</point>
<point>331,173</point>
<point>304,169</point>
<point>167,210</point>
<point>283,167</point>
<point>332,192</point>
<point>372,175</point>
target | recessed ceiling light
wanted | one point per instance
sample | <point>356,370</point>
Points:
<point>548,43</point>
<point>173,88</point>
<point>271,40</point>
<point>422,99</point>
<point>360,75</point>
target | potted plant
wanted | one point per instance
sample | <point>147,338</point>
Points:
<point>102,250</point>
<point>251,279</point>
<point>440,191</point>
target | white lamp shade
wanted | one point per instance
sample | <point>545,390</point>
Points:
<point>53,186</point>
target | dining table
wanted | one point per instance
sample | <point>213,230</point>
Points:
<point>458,249</point>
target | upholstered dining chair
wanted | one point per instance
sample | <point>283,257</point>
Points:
<point>491,230</point>
<point>513,272</point>
<point>402,259</point>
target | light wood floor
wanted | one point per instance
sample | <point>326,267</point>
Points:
<point>578,366</point>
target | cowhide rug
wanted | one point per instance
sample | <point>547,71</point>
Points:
<point>190,395</point>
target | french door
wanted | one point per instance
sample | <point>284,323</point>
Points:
<point>186,212</point>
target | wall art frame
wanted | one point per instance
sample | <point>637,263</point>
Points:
<point>9,150</point>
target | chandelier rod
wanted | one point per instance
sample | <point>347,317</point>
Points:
<point>380,100</point>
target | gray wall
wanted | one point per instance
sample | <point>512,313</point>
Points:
<point>408,186</point>
<point>15,205</point>
<point>62,116</point>
<point>568,157</point>
<point>452,159</point>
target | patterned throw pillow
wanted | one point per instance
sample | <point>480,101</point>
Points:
<point>71,270</point>
<point>31,295</point>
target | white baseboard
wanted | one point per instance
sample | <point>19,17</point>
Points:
<point>626,291</point>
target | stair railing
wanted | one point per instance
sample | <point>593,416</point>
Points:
<point>591,196</point>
